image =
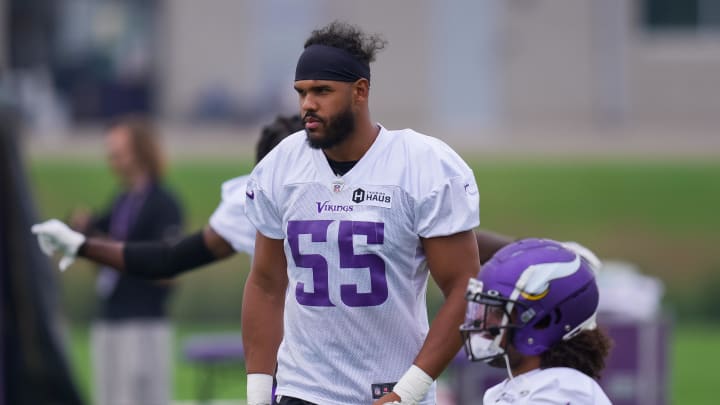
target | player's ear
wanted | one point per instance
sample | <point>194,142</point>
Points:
<point>361,89</point>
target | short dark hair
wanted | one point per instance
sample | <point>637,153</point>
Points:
<point>350,38</point>
<point>145,143</point>
<point>585,352</point>
<point>272,134</point>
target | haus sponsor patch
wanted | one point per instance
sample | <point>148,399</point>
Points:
<point>372,196</point>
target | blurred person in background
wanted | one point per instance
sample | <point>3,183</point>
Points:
<point>532,310</point>
<point>132,337</point>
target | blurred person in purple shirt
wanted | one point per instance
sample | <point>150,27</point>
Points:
<point>132,337</point>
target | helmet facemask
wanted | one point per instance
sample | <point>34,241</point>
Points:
<point>488,326</point>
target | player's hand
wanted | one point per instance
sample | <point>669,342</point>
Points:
<point>391,398</point>
<point>587,254</point>
<point>54,236</point>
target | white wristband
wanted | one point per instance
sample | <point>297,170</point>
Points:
<point>413,386</point>
<point>259,389</point>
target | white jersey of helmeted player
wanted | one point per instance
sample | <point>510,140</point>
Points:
<point>556,385</point>
<point>355,310</point>
<point>229,219</point>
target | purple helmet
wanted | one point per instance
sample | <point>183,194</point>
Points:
<point>536,291</point>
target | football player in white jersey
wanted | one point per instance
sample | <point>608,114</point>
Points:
<point>351,218</point>
<point>532,310</point>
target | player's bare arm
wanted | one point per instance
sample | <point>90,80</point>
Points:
<point>263,303</point>
<point>453,260</point>
<point>490,242</point>
<point>152,260</point>
<point>104,251</point>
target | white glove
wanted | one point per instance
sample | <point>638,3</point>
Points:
<point>587,254</point>
<point>54,236</point>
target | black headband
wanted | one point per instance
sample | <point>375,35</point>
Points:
<point>322,62</point>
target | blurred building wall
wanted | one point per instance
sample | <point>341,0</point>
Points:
<point>593,62</point>
<point>484,63</point>
<point>546,62</point>
<point>235,41</point>
<point>676,80</point>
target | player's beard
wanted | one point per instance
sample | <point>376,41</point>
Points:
<point>337,130</point>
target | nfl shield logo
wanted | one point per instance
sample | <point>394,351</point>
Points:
<point>337,187</point>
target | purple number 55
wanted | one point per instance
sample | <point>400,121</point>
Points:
<point>320,296</point>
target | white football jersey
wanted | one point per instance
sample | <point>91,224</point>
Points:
<point>229,219</point>
<point>556,385</point>
<point>355,311</point>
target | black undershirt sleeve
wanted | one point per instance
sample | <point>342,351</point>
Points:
<point>163,259</point>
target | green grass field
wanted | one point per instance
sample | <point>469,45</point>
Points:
<point>659,214</point>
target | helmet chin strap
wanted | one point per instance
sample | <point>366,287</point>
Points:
<point>507,365</point>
